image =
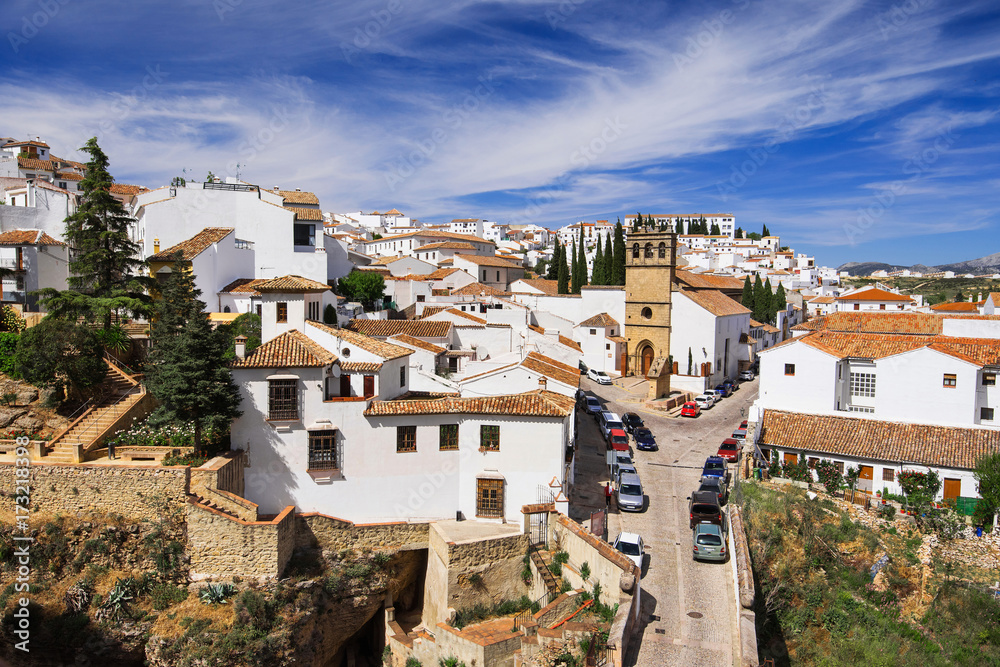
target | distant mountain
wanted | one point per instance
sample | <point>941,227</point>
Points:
<point>988,264</point>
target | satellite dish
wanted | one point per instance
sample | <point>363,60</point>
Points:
<point>482,353</point>
<point>334,371</point>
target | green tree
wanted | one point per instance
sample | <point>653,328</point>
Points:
<point>187,370</point>
<point>598,275</point>
<point>329,314</point>
<point>553,273</point>
<point>747,300</point>
<point>575,271</point>
<point>366,287</point>
<point>779,302</point>
<point>690,362</point>
<point>754,236</point>
<point>247,324</point>
<point>609,260</point>
<point>959,297</point>
<point>768,306</point>
<point>61,354</point>
<point>765,231</point>
<point>715,231</point>
<point>563,285</point>
<point>618,267</point>
<point>760,301</point>
<point>583,261</point>
<point>103,272</point>
<point>987,473</point>
<point>739,232</point>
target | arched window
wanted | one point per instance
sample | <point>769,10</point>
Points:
<point>649,251</point>
<point>226,309</point>
<point>663,251</point>
<point>635,251</point>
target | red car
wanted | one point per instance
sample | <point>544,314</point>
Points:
<point>690,409</point>
<point>730,450</point>
<point>618,440</point>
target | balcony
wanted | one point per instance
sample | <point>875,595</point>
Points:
<point>232,187</point>
<point>11,263</point>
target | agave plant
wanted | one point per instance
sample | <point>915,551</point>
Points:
<point>217,593</point>
<point>116,606</point>
<point>78,596</point>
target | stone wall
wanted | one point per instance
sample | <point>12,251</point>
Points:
<point>329,533</point>
<point>136,492</point>
<point>220,482</point>
<point>485,571</point>
<point>222,546</point>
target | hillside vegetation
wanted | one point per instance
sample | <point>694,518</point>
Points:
<point>934,290</point>
<point>818,603</point>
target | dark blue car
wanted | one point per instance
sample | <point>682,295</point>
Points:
<point>724,389</point>
<point>644,439</point>
<point>715,466</point>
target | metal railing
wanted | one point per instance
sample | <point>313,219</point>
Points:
<point>233,187</point>
<point>116,410</point>
<point>525,614</point>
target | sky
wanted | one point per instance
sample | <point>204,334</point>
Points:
<point>857,131</point>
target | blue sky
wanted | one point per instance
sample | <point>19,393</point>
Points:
<point>855,130</point>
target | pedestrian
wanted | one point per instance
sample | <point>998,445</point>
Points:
<point>607,495</point>
<point>111,450</point>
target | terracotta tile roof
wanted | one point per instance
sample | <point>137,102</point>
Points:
<point>552,368</point>
<point>569,342</point>
<point>28,142</point>
<point>536,329</point>
<point>473,318</point>
<point>292,349</point>
<point>960,307</point>
<point>531,404</point>
<point>126,189</point>
<point>599,320</point>
<point>981,351</point>
<point>291,284</point>
<point>995,296</point>
<point>243,286</point>
<point>879,440</point>
<point>446,245</point>
<point>543,285</point>
<point>481,260</point>
<point>379,348</point>
<point>194,246</point>
<point>68,176</point>
<point>821,299</point>
<point>433,234</point>
<point>440,292</point>
<point>615,339</point>
<point>28,237</point>
<point>477,289</point>
<point>908,323</point>
<point>432,310</point>
<point>707,280</point>
<point>359,366</point>
<point>873,294</point>
<point>416,342</point>
<point>393,212</point>
<point>386,328</point>
<point>35,164</point>
<point>305,213</point>
<point>715,302</point>
<point>597,287</point>
<point>465,220</point>
<point>297,197</point>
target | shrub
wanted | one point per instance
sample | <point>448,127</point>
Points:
<point>217,593</point>
<point>585,570</point>
<point>887,512</point>
<point>556,569</point>
<point>165,595</point>
<point>828,474</point>
<point>561,557</point>
<point>254,609</point>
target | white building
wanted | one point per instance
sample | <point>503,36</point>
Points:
<point>873,298</point>
<point>600,338</point>
<point>707,327</point>
<point>411,242</point>
<point>331,425</point>
<point>36,260</point>
<point>725,221</point>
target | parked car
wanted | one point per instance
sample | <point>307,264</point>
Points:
<point>724,390</point>
<point>593,406</point>
<point>704,401</point>
<point>632,421</point>
<point>743,424</point>
<point>714,485</point>
<point>732,384</point>
<point>746,376</point>
<point>607,421</point>
<point>644,439</point>
<point>704,506</point>
<point>715,466</point>
<point>730,450</point>
<point>618,439</point>
<point>740,435</point>
<point>690,409</point>
<point>714,393</point>
<point>630,497</point>
<point>709,542</point>
<point>600,377</point>
<point>631,545</point>
<point>619,469</point>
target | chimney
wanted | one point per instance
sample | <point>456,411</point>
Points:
<point>543,383</point>
<point>298,189</point>
<point>156,246</point>
<point>979,297</point>
<point>241,347</point>
<point>276,188</point>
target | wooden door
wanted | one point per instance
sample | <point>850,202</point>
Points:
<point>345,385</point>
<point>867,474</point>
<point>647,359</point>
<point>369,386</point>
<point>952,488</point>
<point>790,458</point>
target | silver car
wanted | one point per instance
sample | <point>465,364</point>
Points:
<point>630,496</point>
<point>709,542</point>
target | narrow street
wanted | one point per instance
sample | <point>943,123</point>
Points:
<point>688,611</point>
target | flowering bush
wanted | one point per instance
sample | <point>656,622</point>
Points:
<point>829,475</point>
<point>914,482</point>
<point>168,435</point>
<point>10,320</point>
<point>796,471</point>
<point>13,434</point>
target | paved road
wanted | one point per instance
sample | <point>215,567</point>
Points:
<point>688,611</point>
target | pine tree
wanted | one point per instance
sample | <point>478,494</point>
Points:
<point>619,263</point>
<point>779,303</point>
<point>765,232</point>
<point>760,301</point>
<point>575,281</point>
<point>583,261</point>
<point>102,274</point>
<point>747,300</point>
<point>187,372</point>
<point>598,275</point>
<point>553,273</point>
<point>563,286</point>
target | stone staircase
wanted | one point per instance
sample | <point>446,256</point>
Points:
<point>120,393</point>
<point>205,503</point>
<point>551,583</point>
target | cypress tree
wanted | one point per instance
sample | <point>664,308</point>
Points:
<point>747,300</point>
<point>598,276</point>
<point>563,286</point>
<point>779,303</point>
<point>739,232</point>
<point>760,301</point>
<point>765,232</point>
<point>575,282</point>
<point>553,272</point>
<point>103,270</point>
<point>583,261</point>
<point>619,264</point>
<point>609,257</point>
<point>679,229</point>
<point>715,231</point>
<point>187,372</point>
<point>690,363</point>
